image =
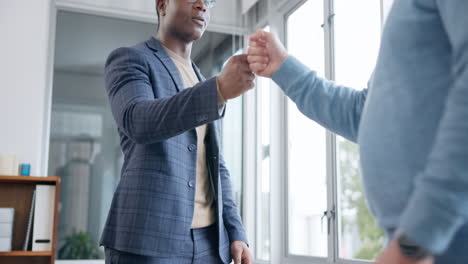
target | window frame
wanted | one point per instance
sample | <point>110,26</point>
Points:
<point>293,258</point>
<point>259,156</point>
<point>278,14</point>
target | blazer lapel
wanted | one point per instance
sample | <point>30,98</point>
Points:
<point>162,55</point>
<point>200,76</point>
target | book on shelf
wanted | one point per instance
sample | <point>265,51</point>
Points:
<point>43,218</point>
<point>27,237</point>
<point>7,219</point>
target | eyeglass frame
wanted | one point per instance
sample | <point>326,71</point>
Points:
<point>208,3</point>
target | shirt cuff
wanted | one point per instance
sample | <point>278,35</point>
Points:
<point>221,101</point>
<point>238,236</point>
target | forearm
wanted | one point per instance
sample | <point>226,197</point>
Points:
<point>150,121</point>
<point>335,107</point>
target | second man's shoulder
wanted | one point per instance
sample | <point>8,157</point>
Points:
<point>138,54</point>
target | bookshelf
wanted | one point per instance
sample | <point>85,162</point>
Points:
<point>16,192</point>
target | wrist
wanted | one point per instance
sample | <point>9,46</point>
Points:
<point>239,242</point>
<point>282,59</point>
<point>220,87</point>
<point>221,99</point>
<point>411,249</point>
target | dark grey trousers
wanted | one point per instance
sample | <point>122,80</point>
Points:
<point>202,248</point>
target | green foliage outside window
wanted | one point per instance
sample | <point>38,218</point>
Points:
<point>353,198</point>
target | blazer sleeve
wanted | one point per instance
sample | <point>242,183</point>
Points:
<point>144,118</point>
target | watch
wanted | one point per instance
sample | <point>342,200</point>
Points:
<point>410,249</point>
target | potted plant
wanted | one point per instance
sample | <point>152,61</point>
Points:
<point>79,245</point>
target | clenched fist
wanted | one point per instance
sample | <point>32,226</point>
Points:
<point>236,77</point>
<point>266,53</point>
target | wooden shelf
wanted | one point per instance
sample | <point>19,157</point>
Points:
<point>26,254</point>
<point>16,192</point>
<point>29,179</point>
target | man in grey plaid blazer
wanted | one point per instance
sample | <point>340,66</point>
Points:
<point>152,213</point>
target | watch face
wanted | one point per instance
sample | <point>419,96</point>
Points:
<point>410,249</point>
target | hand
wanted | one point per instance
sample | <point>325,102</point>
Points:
<point>266,53</point>
<point>240,253</point>
<point>393,255</point>
<point>236,78</point>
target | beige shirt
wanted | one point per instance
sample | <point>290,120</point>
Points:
<point>204,213</point>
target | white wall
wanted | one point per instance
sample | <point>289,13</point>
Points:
<point>24,31</point>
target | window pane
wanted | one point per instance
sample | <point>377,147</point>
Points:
<point>357,36</point>
<point>89,165</point>
<point>263,180</point>
<point>387,6</point>
<point>231,125</point>
<point>84,147</point>
<point>307,190</point>
<point>232,146</point>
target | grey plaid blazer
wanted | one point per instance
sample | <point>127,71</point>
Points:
<point>152,208</point>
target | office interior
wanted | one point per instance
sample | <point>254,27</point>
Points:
<point>297,185</point>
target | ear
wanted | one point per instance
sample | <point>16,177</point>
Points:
<point>161,7</point>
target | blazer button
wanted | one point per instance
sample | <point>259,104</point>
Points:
<point>192,147</point>
<point>191,183</point>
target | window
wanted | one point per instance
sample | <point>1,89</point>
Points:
<point>321,169</point>
<point>357,35</point>
<point>89,165</point>
<point>263,226</point>
<point>232,127</point>
<point>307,188</point>
<point>232,146</point>
<point>84,147</point>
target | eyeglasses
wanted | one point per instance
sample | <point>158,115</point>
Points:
<point>207,3</point>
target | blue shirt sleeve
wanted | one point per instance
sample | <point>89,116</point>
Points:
<point>337,108</point>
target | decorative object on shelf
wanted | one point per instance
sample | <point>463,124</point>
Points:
<point>8,165</point>
<point>25,169</point>
<point>7,219</point>
<point>79,245</point>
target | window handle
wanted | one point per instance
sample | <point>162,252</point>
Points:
<point>321,220</point>
<point>329,214</point>
<point>329,20</point>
